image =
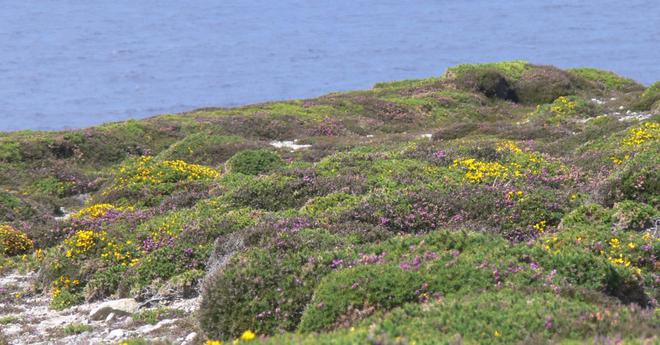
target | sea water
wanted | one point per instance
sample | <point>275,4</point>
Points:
<point>71,64</point>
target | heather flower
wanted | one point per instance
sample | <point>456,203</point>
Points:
<point>336,263</point>
<point>440,154</point>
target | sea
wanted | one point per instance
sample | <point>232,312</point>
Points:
<point>72,64</point>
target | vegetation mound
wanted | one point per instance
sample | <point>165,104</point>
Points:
<point>500,203</point>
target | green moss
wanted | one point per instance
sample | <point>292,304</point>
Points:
<point>5,320</point>
<point>53,186</point>
<point>259,291</point>
<point>205,148</point>
<point>76,328</point>
<point>510,69</point>
<point>406,84</point>
<point>153,316</point>
<point>609,80</point>
<point>65,299</point>
<point>544,84</point>
<point>10,151</point>
<point>500,317</point>
<point>254,162</point>
<point>648,97</point>
<point>333,203</point>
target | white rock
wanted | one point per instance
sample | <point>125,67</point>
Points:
<point>116,334</point>
<point>110,317</point>
<point>150,328</point>
<point>289,144</point>
<point>635,116</point>
<point>190,339</point>
<point>120,307</point>
<point>65,215</point>
<point>11,330</point>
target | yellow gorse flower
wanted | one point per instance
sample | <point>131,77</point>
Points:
<point>562,106</point>
<point>648,131</point>
<point>540,226</point>
<point>13,242</point>
<point>248,335</point>
<point>508,145</point>
<point>148,171</point>
<point>477,171</point>
<point>614,243</point>
<point>99,210</point>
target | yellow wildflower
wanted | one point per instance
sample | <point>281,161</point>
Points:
<point>248,335</point>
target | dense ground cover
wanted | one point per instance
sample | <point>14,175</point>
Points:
<point>499,203</point>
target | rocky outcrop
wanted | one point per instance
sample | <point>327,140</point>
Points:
<point>32,321</point>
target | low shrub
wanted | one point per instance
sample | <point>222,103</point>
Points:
<point>208,149</point>
<point>76,328</point>
<point>630,215</point>
<point>260,291</point>
<point>544,84</point>
<point>607,80</point>
<point>254,162</point>
<point>636,179</point>
<point>13,242</point>
<point>648,98</point>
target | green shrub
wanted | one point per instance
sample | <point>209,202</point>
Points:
<point>637,179</point>
<point>65,299</point>
<point>76,328</point>
<point>260,291</point>
<point>606,79</point>
<point>356,290</point>
<point>164,263</point>
<point>146,181</point>
<point>272,193</point>
<point>104,283</point>
<point>333,203</point>
<point>203,148</point>
<point>544,84</point>
<point>5,320</point>
<point>489,82</point>
<point>587,214</point>
<point>153,316</point>
<point>254,162</point>
<point>630,215</point>
<point>53,186</point>
<point>13,208</point>
<point>510,69</point>
<point>13,242</point>
<point>10,152</point>
<point>648,97</point>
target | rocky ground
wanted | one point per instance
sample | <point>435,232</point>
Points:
<point>107,322</point>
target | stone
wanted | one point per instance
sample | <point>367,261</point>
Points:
<point>190,339</point>
<point>120,307</point>
<point>110,317</point>
<point>116,334</point>
<point>150,328</point>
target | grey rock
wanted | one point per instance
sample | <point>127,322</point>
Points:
<point>116,334</point>
<point>120,307</point>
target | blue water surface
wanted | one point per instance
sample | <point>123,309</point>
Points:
<point>72,63</point>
